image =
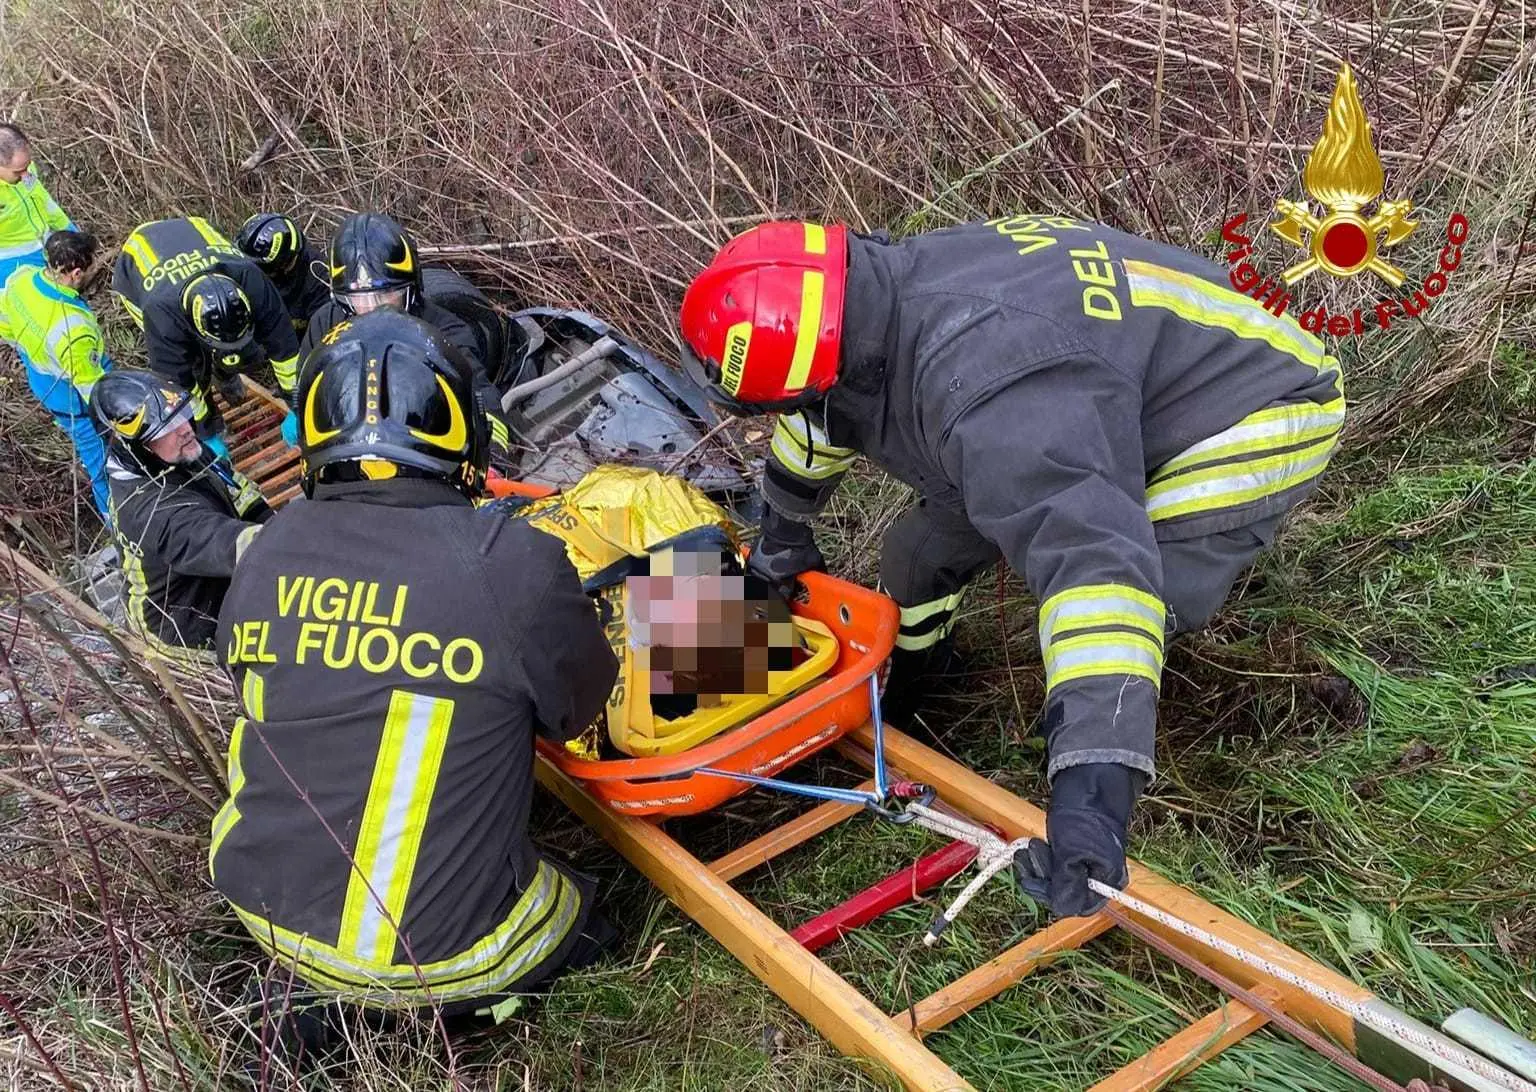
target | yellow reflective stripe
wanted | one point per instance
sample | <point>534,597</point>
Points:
<point>910,643</point>
<point>1097,654</point>
<point>137,247</point>
<point>1080,616</point>
<point>206,230</point>
<point>499,437</point>
<point>229,814</point>
<point>1267,430</point>
<point>538,923</point>
<point>806,435</point>
<point>812,285</point>
<point>412,823</point>
<point>815,239</point>
<point>253,690</point>
<point>394,817</point>
<point>243,542</point>
<point>138,587</point>
<point>1237,483</point>
<point>916,615</point>
<point>1102,605</point>
<point>1200,301</point>
<point>800,446</point>
<point>287,372</point>
<point>133,311</point>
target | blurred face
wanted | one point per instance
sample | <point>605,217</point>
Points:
<point>12,172</point>
<point>179,445</point>
<point>699,632</point>
<point>360,303</point>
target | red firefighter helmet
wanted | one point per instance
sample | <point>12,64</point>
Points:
<point>762,326</point>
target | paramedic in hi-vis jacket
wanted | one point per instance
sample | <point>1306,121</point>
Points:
<point>395,650</point>
<point>1102,412</point>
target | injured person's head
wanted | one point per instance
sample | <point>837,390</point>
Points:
<point>700,626</point>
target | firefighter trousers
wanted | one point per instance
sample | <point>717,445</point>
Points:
<point>931,553</point>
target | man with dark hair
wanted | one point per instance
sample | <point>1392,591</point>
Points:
<point>209,314</point>
<point>27,211</point>
<point>43,315</point>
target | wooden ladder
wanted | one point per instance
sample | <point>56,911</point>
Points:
<point>894,1041</point>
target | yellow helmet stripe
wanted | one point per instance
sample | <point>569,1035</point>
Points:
<point>812,285</point>
<point>313,433</point>
<point>131,427</point>
<point>815,239</point>
<point>458,430</point>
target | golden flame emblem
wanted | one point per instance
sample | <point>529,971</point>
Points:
<point>1343,174</point>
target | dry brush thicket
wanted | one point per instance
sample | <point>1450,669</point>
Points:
<point>592,153</point>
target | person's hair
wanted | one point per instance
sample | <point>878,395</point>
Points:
<point>69,250</point>
<point>12,140</point>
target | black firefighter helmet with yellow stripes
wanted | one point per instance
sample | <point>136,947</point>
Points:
<point>386,396</point>
<point>135,408</point>
<point>220,312</point>
<point>373,263</point>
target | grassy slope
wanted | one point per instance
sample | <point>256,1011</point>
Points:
<point>1384,824</point>
<point>1378,825</point>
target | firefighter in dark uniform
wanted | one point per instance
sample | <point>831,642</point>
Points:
<point>182,517</point>
<point>277,244</point>
<point>373,263</point>
<point>396,649</point>
<point>1102,412</point>
<point>208,313</point>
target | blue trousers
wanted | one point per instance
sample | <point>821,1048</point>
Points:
<point>72,415</point>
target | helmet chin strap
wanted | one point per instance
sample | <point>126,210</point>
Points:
<point>377,470</point>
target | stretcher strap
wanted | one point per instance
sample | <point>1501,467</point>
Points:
<point>877,801</point>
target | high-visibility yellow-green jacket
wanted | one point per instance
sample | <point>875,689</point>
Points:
<point>28,213</point>
<point>53,328</point>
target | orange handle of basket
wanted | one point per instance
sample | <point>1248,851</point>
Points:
<point>498,486</point>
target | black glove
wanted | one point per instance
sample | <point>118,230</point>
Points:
<point>784,551</point>
<point>1090,808</point>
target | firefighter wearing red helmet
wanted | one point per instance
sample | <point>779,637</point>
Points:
<point>1101,411</point>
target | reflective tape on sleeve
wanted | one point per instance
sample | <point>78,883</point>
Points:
<point>1096,605</point>
<point>287,372</point>
<point>1113,653</point>
<point>801,447</point>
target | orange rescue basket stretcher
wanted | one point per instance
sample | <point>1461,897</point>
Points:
<point>864,623</point>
